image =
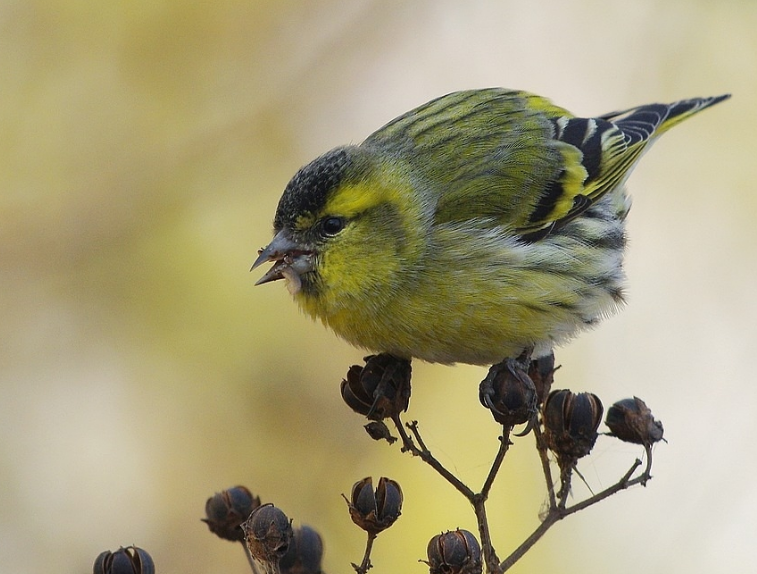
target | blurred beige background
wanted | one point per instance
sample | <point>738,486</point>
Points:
<point>143,148</point>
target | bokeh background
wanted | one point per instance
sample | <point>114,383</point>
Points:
<point>143,148</point>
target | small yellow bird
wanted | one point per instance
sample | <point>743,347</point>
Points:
<point>474,227</point>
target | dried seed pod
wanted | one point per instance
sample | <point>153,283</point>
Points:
<point>380,389</point>
<point>227,510</point>
<point>377,430</point>
<point>129,560</point>
<point>454,552</point>
<point>570,423</point>
<point>374,511</point>
<point>542,372</point>
<point>305,553</point>
<point>631,421</point>
<point>508,392</point>
<point>268,534</point>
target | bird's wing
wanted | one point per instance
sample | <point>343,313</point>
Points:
<point>517,159</point>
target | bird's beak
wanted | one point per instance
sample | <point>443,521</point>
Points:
<point>291,261</point>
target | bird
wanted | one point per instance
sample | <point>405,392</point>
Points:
<point>471,229</point>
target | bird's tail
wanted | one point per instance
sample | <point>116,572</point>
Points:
<point>652,120</point>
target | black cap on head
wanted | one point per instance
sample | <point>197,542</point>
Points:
<point>308,190</point>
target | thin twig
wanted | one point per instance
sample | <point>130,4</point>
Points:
<point>624,483</point>
<point>490,555</point>
<point>407,443</point>
<point>553,516</point>
<point>504,445</point>
<point>477,500</point>
<point>648,470</point>
<point>541,447</point>
<point>425,455</point>
<point>366,565</point>
<point>559,511</point>
<point>566,476</point>
<point>250,559</point>
<point>581,476</point>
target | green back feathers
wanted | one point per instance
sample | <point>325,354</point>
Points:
<point>516,158</point>
<point>475,153</point>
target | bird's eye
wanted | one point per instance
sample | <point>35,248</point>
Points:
<point>332,225</point>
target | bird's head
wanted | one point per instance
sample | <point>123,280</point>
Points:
<point>346,230</point>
